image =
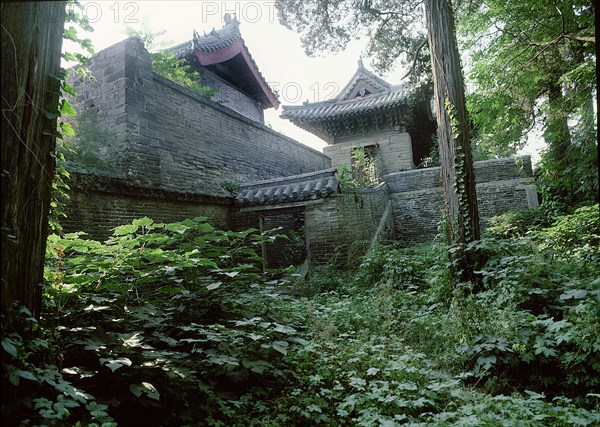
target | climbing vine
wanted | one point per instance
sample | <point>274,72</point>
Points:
<point>76,23</point>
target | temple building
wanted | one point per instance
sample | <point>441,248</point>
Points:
<point>391,123</point>
<point>224,62</point>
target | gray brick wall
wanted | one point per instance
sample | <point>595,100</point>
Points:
<point>418,199</point>
<point>176,141</point>
<point>360,212</point>
<point>205,144</point>
<point>322,229</point>
<point>231,97</point>
<point>99,204</point>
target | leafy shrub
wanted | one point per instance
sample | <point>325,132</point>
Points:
<point>538,311</point>
<point>516,224</point>
<point>576,235</point>
<point>147,321</point>
<point>176,324</point>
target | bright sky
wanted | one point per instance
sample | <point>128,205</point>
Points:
<point>277,50</point>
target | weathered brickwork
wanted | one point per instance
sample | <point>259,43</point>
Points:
<point>395,150</point>
<point>231,97</point>
<point>212,146</point>
<point>418,199</point>
<point>176,140</point>
<point>322,224</point>
<point>360,212</point>
<point>97,208</point>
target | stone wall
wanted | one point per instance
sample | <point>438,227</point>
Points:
<point>231,97</point>
<point>395,150</point>
<point>99,204</point>
<point>205,145</point>
<point>418,200</point>
<point>322,225</point>
<point>176,141</point>
<point>360,212</point>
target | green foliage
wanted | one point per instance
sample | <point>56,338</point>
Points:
<point>91,147</point>
<point>176,324</point>
<point>294,252</point>
<point>572,180</point>
<point>575,236</point>
<point>363,173</point>
<point>533,66</point>
<point>167,64</point>
<point>231,187</point>
<point>518,223</point>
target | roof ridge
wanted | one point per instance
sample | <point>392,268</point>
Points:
<point>304,176</point>
<point>401,90</point>
<point>362,72</point>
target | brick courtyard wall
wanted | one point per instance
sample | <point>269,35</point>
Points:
<point>99,204</point>
<point>205,144</point>
<point>176,142</point>
<point>322,229</point>
<point>418,200</point>
<point>360,212</point>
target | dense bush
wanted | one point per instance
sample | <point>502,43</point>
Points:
<point>177,324</point>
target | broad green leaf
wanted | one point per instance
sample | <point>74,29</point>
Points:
<point>115,364</point>
<point>67,109</point>
<point>214,286</point>
<point>142,222</point>
<point>177,228</point>
<point>280,346</point>
<point>372,371</point>
<point>9,347</point>
<point>67,129</point>
<point>125,229</point>
<point>27,375</point>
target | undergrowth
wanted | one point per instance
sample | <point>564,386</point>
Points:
<point>177,324</point>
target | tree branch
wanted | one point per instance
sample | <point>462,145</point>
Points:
<point>415,58</point>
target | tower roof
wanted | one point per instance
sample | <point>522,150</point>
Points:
<point>366,102</point>
<point>225,53</point>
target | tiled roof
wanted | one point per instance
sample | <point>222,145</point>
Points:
<point>215,40</point>
<point>366,103</point>
<point>218,39</point>
<point>308,186</point>
<point>339,109</point>
<point>363,75</point>
<point>223,45</point>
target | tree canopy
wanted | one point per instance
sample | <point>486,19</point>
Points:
<point>534,63</point>
<point>394,29</point>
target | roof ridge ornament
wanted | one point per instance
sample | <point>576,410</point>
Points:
<point>229,19</point>
<point>361,66</point>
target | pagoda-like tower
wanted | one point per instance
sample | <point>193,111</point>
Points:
<point>371,114</point>
<point>224,62</point>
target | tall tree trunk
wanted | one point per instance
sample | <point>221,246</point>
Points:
<point>558,138</point>
<point>454,140</point>
<point>31,52</point>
